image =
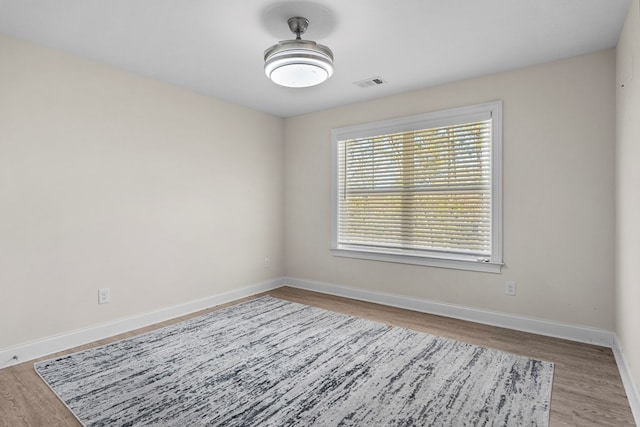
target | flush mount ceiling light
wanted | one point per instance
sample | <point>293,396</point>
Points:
<point>298,63</point>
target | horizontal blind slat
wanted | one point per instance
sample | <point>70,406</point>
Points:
<point>421,190</point>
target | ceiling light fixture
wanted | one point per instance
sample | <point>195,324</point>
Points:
<point>298,63</point>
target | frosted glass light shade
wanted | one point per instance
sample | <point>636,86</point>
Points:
<point>298,63</point>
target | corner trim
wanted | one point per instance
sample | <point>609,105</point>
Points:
<point>633,394</point>
<point>548,328</point>
<point>53,344</point>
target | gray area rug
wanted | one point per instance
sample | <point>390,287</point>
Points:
<point>269,362</point>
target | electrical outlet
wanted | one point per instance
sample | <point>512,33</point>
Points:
<point>104,295</point>
<point>267,263</point>
<point>510,288</point>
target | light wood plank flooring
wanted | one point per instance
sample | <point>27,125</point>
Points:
<point>587,389</point>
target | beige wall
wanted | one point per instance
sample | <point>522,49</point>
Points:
<point>628,191</point>
<point>559,131</point>
<point>108,179</point>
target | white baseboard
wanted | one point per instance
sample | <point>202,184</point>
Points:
<point>633,394</point>
<point>520,323</point>
<point>504,320</point>
<point>42,347</point>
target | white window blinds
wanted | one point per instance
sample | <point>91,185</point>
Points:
<point>426,191</point>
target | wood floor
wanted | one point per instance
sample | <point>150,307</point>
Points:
<point>587,389</point>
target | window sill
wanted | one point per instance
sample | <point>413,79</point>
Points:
<point>453,263</point>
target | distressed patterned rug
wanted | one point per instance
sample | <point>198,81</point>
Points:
<point>269,362</point>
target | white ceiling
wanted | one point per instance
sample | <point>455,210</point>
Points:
<point>216,47</point>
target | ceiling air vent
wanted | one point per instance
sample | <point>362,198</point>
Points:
<point>373,81</point>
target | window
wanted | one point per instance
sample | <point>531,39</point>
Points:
<point>421,190</point>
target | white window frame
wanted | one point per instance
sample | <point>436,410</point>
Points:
<point>417,122</point>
